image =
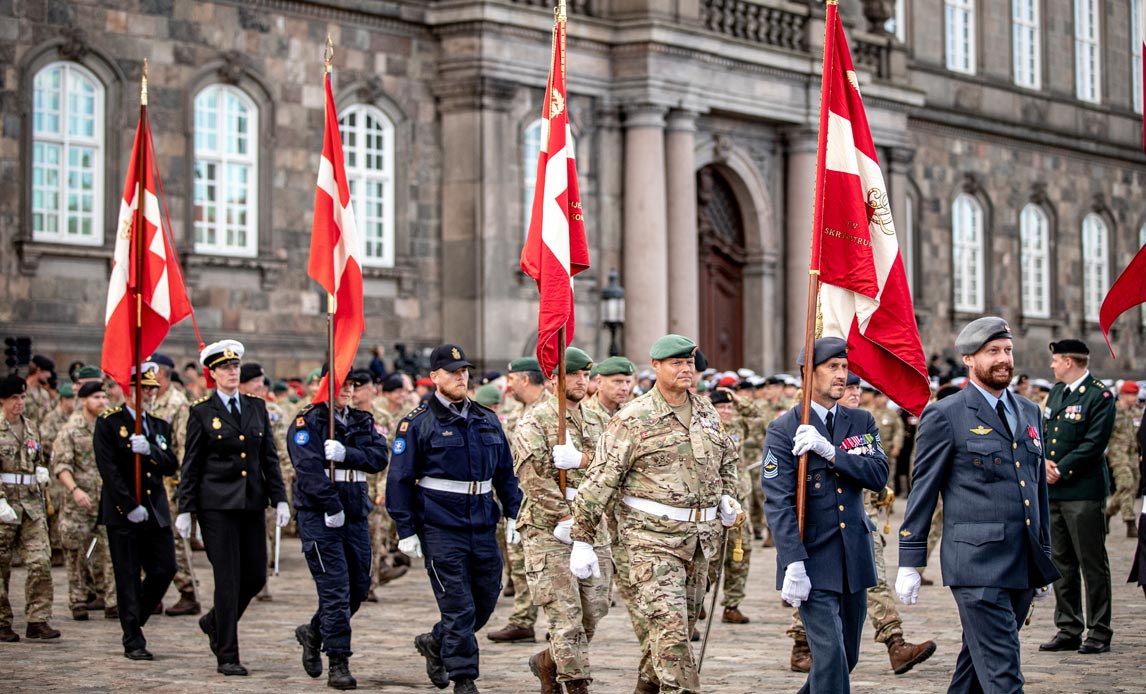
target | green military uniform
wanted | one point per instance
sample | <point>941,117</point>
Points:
<point>50,427</point>
<point>736,571</point>
<point>881,609</point>
<point>757,415</point>
<point>173,407</point>
<point>1123,455</point>
<point>20,455</point>
<point>38,404</point>
<point>524,613</point>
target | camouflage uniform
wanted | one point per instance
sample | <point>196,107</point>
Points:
<point>574,607</point>
<point>50,426</point>
<point>756,416</point>
<point>279,425</point>
<point>1122,452</point>
<point>20,453</point>
<point>649,452</point>
<point>379,521</point>
<point>38,404</point>
<point>736,572</point>
<point>524,610</point>
<point>891,433</point>
<point>173,407</point>
<point>73,451</point>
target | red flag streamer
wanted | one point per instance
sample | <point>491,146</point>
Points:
<point>1128,291</point>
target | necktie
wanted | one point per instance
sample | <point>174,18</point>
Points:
<point>233,408</point>
<point>1066,392</point>
<point>831,424</point>
<point>1003,418</point>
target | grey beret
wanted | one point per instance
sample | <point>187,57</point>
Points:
<point>824,349</point>
<point>981,331</point>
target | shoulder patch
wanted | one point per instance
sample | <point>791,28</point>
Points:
<point>771,466</point>
<point>403,426</point>
<point>1106,393</point>
<point>399,446</point>
<point>109,412</point>
<point>301,437</point>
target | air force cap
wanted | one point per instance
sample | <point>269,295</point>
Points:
<point>824,349</point>
<point>981,331</point>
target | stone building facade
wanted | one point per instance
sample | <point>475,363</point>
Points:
<point>695,131</point>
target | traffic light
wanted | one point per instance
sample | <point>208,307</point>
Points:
<point>17,352</point>
<point>10,353</point>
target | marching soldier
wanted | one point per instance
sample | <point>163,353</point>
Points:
<point>39,399</point>
<point>23,515</point>
<point>1123,455</point>
<point>449,456</point>
<point>332,522</point>
<point>74,465</point>
<point>614,378</point>
<point>735,571</point>
<point>574,606</point>
<point>50,427</point>
<point>138,525</point>
<point>675,469</point>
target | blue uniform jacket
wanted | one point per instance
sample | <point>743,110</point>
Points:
<point>835,524</point>
<point>366,450</point>
<point>996,523</point>
<point>432,441</point>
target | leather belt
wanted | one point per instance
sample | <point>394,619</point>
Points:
<point>472,487</point>
<point>685,515</point>
<point>15,478</point>
<point>341,475</point>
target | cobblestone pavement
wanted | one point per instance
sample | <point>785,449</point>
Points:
<point>740,659</point>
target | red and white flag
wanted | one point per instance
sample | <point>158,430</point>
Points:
<point>555,249</point>
<point>864,295</point>
<point>160,284</point>
<point>334,248</point>
<point>1128,291</point>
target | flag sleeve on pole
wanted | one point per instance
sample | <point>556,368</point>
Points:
<point>1128,291</point>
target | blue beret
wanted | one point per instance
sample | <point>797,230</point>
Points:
<point>981,331</point>
<point>824,349</point>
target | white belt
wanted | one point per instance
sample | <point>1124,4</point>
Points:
<point>456,486</point>
<point>687,515</point>
<point>13,478</point>
<point>349,475</point>
<point>571,494</point>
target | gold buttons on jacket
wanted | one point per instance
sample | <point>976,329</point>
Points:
<point>1054,440</point>
<point>242,455</point>
<point>841,508</point>
<point>242,438</point>
<point>843,525</point>
<point>1028,521</point>
<point>1018,464</point>
<point>839,490</point>
<point>244,473</point>
<point>1022,483</point>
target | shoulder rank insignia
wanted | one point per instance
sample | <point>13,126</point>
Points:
<point>905,533</point>
<point>300,422</point>
<point>216,424</point>
<point>109,412</point>
<point>403,427</point>
<point>981,430</point>
<point>201,400</point>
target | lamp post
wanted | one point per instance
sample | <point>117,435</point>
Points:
<point>613,310</point>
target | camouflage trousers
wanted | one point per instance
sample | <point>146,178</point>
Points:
<point>735,572</point>
<point>28,536</point>
<point>524,611</point>
<point>573,606</point>
<point>182,578</point>
<point>1126,480</point>
<point>381,545</point>
<point>628,596</point>
<point>86,576</point>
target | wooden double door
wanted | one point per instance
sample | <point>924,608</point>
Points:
<point>722,256</point>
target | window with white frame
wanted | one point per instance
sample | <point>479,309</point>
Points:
<point>226,172</point>
<point>967,237</point>
<point>896,24</point>
<point>67,155</point>
<point>1137,35</point>
<point>1086,51</point>
<point>1095,264</point>
<point>1034,243</point>
<point>368,148</point>
<point>960,23</point>
<point>1026,45</point>
<point>531,149</point>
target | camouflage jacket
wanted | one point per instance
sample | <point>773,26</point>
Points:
<point>737,431</point>
<point>38,403</point>
<point>74,451</point>
<point>50,426</point>
<point>890,428</point>
<point>1123,447</point>
<point>755,416</point>
<point>21,455</point>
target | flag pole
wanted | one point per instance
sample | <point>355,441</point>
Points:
<point>562,475</point>
<point>137,243</point>
<point>814,262</point>
<point>330,308</point>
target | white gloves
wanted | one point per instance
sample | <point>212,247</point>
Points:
<point>907,585</point>
<point>140,445</point>
<point>563,531</point>
<point>1041,593</point>
<point>42,475</point>
<point>808,439</point>
<point>282,514</point>
<point>566,456</point>
<point>138,515</point>
<point>7,515</point>
<point>797,585</point>
<point>410,546</point>
<point>335,521</point>
<point>334,450</point>
<point>583,561</point>
<point>183,525</point>
<point>729,510</point>
<point>512,537</point>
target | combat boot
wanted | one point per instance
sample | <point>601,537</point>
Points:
<point>80,613</point>
<point>465,686</point>
<point>96,605</point>
<point>577,687</point>
<point>801,660</point>
<point>390,573</point>
<point>513,633</point>
<point>904,655</point>
<point>543,668</point>
<point>41,631</point>
<point>703,614</point>
<point>339,676</point>
<point>1131,530</point>
<point>646,687</point>
<point>733,615</point>
<point>310,642</point>
<point>187,605</point>
<point>7,635</point>
<point>435,668</point>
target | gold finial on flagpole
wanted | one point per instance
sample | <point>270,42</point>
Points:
<point>143,85</point>
<point>560,12</point>
<point>328,54</point>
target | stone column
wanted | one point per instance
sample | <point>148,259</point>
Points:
<point>801,179</point>
<point>683,267</point>
<point>646,279</point>
<point>899,169</point>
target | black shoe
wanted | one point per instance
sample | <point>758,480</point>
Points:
<point>339,676</point>
<point>435,668</point>
<point>231,669</point>
<point>138,654</point>
<point>311,659</point>
<point>1094,646</point>
<point>465,686</point>
<point>1061,642</point>
<point>207,625</point>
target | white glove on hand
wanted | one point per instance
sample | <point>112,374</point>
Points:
<point>566,456</point>
<point>808,439</point>
<point>335,521</point>
<point>410,546</point>
<point>140,445</point>
<point>583,561</point>
<point>138,515</point>
<point>282,514</point>
<point>563,531</point>
<point>42,475</point>
<point>334,450</point>
<point>797,585</point>
<point>1041,593</point>
<point>7,515</point>
<point>512,537</point>
<point>183,525</point>
<point>729,510</point>
<point>907,585</point>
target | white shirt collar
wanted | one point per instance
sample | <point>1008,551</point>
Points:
<point>823,411</point>
<point>1074,386</point>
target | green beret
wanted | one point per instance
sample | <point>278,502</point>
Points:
<point>673,347</point>
<point>524,364</point>
<point>314,375</point>
<point>66,390</point>
<point>487,395</point>
<point>613,366</point>
<point>576,360</point>
<point>89,371</point>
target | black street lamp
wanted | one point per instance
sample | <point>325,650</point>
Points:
<point>613,310</point>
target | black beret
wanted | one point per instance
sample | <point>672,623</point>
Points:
<point>392,384</point>
<point>359,377</point>
<point>1069,346</point>
<point>12,385</point>
<point>162,360</point>
<point>43,363</point>
<point>719,395</point>
<point>249,372</point>
<point>90,388</point>
<point>824,349</point>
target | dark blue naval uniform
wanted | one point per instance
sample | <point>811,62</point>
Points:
<point>837,548</point>
<point>338,558</point>
<point>996,544</point>
<point>457,530</point>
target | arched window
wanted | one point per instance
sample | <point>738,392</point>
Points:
<point>1026,43</point>
<point>967,236</point>
<point>1087,61</point>
<point>1095,264</point>
<point>226,172</point>
<point>531,149</point>
<point>368,147</point>
<point>67,155</point>
<point>1034,245</point>
<point>960,24</point>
